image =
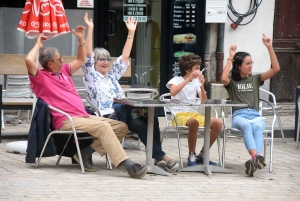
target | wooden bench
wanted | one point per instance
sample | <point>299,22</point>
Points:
<point>14,64</point>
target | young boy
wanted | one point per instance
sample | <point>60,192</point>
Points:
<point>187,86</point>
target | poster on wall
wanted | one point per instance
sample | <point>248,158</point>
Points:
<point>85,3</point>
<point>136,9</point>
<point>184,29</point>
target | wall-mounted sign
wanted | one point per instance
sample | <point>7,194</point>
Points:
<point>184,29</point>
<point>85,3</point>
<point>216,11</point>
<point>136,9</point>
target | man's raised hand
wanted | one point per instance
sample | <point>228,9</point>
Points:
<point>79,32</point>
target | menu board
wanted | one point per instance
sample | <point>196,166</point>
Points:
<point>136,9</point>
<point>184,29</point>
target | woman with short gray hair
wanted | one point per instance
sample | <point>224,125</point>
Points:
<point>102,85</point>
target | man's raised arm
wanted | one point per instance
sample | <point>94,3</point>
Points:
<point>80,60</point>
<point>30,58</point>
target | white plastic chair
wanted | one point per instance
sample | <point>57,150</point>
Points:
<point>235,133</point>
<point>75,133</point>
<point>298,124</point>
<point>276,107</point>
<point>169,114</point>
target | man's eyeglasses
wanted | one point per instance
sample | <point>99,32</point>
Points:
<point>59,59</point>
<point>104,59</point>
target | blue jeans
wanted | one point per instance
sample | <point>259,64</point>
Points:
<point>252,130</point>
<point>139,126</point>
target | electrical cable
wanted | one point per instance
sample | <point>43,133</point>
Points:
<point>254,4</point>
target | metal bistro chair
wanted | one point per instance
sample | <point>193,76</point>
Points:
<point>169,114</point>
<point>75,133</point>
<point>268,132</point>
<point>16,86</point>
<point>276,108</point>
<point>140,93</point>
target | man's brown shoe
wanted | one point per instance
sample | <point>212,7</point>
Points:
<point>137,171</point>
<point>86,164</point>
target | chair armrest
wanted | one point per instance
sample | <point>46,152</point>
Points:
<point>98,112</point>
<point>270,105</point>
<point>162,97</point>
<point>273,109</point>
<point>67,115</point>
<point>215,111</point>
<point>172,114</point>
<point>270,93</point>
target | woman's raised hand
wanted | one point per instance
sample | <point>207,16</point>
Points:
<point>267,41</point>
<point>89,22</point>
<point>131,24</point>
<point>232,50</point>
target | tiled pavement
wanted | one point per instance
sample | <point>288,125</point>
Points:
<point>21,181</point>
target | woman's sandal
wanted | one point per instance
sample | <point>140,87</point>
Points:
<point>161,163</point>
<point>172,166</point>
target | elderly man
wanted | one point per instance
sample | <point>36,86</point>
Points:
<point>54,85</point>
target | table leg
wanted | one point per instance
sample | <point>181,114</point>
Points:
<point>149,162</point>
<point>208,169</point>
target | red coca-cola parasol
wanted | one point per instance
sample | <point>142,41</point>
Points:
<point>43,17</point>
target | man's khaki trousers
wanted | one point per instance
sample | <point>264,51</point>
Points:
<point>107,132</point>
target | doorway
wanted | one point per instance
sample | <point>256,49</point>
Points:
<point>286,43</point>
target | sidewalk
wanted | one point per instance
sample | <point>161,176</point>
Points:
<point>21,181</point>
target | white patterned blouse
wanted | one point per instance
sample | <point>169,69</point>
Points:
<point>103,89</point>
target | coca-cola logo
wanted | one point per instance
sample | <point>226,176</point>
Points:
<point>35,24</point>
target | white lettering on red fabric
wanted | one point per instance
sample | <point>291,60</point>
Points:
<point>22,23</point>
<point>46,24</point>
<point>35,24</point>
